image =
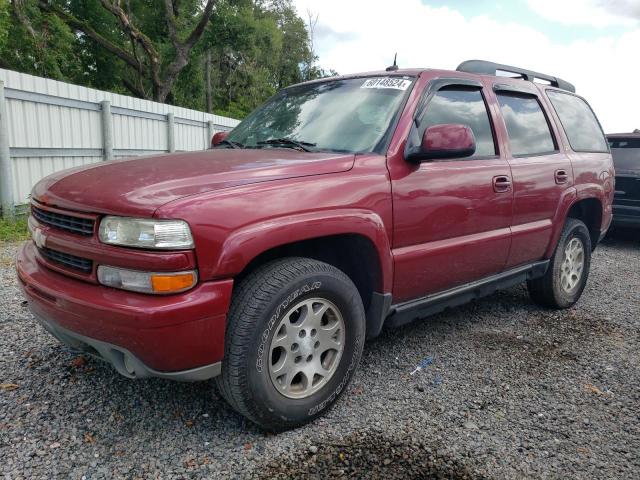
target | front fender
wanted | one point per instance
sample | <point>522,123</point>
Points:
<point>245,244</point>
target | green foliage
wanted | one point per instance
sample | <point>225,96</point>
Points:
<point>13,230</point>
<point>248,50</point>
<point>4,23</point>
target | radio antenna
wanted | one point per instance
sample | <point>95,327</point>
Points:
<point>393,67</point>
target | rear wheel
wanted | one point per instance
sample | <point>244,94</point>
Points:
<point>568,271</point>
<point>295,335</point>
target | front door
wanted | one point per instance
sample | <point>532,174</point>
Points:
<point>451,216</point>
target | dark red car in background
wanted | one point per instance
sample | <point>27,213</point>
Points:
<point>338,207</point>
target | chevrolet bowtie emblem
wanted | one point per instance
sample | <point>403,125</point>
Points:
<point>39,238</point>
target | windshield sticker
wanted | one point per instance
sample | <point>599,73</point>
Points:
<point>387,82</point>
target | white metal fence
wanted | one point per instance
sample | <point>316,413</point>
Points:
<point>46,126</point>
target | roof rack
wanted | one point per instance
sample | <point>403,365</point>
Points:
<point>483,67</point>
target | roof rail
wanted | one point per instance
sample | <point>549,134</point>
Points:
<point>483,67</point>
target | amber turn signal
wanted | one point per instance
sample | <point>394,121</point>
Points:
<point>147,282</point>
<point>176,282</point>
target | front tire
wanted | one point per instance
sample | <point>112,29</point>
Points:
<point>295,334</point>
<point>566,277</point>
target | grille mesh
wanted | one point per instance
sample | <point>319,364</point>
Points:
<point>71,261</point>
<point>81,226</point>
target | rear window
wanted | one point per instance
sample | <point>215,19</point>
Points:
<point>527,125</point>
<point>626,153</point>
<point>579,122</point>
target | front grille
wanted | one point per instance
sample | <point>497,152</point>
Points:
<point>71,261</point>
<point>81,226</point>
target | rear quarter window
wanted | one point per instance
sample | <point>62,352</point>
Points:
<point>579,122</point>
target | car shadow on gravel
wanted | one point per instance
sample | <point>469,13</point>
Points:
<point>623,237</point>
<point>508,323</point>
<point>370,456</point>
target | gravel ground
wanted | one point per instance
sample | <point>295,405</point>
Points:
<point>513,391</point>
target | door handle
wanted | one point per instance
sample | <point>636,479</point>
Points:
<point>561,176</point>
<point>501,184</point>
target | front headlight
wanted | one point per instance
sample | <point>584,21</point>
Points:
<point>145,233</point>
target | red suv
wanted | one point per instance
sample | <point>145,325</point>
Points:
<point>338,207</point>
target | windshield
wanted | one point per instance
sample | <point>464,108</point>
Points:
<point>349,115</point>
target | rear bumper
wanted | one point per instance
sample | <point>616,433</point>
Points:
<point>177,336</point>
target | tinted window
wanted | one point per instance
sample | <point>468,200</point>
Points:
<point>527,126</point>
<point>466,107</point>
<point>579,122</point>
<point>626,153</point>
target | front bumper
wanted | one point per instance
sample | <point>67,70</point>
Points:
<point>177,336</point>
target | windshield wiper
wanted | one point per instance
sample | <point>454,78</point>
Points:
<point>302,145</point>
<point>231,144</point>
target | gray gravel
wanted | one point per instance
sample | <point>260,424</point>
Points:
<point>513,391</point>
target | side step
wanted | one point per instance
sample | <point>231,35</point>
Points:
<point>406,312</point>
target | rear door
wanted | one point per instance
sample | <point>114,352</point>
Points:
<point>451,221</point>
<point>541,172</point>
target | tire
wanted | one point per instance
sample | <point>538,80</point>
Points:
<point>276,316</point>
<point>558,288</point>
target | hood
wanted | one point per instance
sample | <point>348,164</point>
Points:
<point>138,186</point>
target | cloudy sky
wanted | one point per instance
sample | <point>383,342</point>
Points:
<point>595,44</point>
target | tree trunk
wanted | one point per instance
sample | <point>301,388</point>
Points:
<point>207,76</point>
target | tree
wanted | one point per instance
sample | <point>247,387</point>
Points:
<point>222,55</point>
<point>137,50</point>
<point>4,25</point>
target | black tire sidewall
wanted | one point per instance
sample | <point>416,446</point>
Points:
<point>574,229</point>
<point>270,403</point>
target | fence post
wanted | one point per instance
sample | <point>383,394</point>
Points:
<point>171,133</point>
<point>6,172</point>
<point>212,131</point>
<point>107,131</point>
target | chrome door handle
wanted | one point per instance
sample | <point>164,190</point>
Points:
<point>561,176</point>
<point>501,184</point>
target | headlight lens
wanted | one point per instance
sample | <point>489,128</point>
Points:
<point>145,233</point>
<point>146,282</point>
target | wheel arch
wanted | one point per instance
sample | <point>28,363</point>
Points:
<point>354,241</point>
<point>579,205</point>
<point>590,212</point>
<point>354,254</point>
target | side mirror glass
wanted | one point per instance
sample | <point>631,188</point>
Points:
<point>449,140</point>
<point>218,138</point>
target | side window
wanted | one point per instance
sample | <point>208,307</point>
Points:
<point>527,126</point>
<point>464,106</point>
<point>579,122</point>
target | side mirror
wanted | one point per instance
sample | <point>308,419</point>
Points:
<point>218,138</point>
<point>449,140</point>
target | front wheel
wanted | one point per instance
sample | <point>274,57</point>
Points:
<point>295,334</point>
<point>568,271</point>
